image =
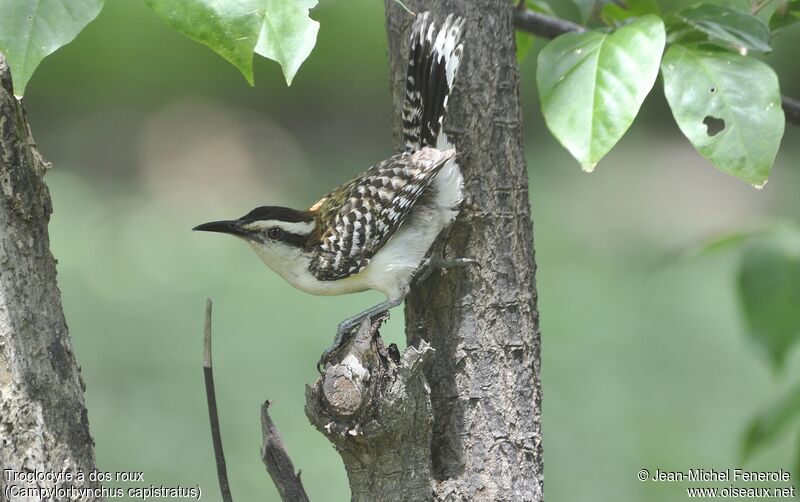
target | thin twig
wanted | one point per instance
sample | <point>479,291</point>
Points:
<point>213,416</point>
<point>546,26</point>
<point>279,465</point>
<point>791,107</point>
<point>543,25</point>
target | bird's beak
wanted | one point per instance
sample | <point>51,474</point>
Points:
<point>232,227</point>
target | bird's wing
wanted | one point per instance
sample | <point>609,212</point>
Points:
<point>359,217</point>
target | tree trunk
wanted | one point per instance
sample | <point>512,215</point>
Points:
<point>375,409</point>
<point>44,429</point>
<point>467,426</point>
<point>482,322</point>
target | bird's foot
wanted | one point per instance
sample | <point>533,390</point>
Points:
<point>347,328</point>
<point>343,334</point>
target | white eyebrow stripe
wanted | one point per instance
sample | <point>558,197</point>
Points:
<point>300,227</point>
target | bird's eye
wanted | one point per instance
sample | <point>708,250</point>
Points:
<point>274,233</point>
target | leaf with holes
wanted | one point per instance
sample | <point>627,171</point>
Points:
<point>728,106</point>
<point>277,29</point>
<point>728,27</point>
<point>769,290</point>
<point>592,85</point>
<point>30,30</point>
<point>770,424</point>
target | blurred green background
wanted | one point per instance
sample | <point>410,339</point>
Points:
<point>645,360</point>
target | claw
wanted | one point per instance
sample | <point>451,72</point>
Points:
<point>322,362</point>
<point>436,263</point>
<point>458,262</point>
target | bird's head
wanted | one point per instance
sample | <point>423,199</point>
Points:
<point>277,234</point>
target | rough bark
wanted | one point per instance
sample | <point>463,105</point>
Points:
<point>482,322</point>
<point>43,423</point>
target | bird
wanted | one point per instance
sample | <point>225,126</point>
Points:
<point>375,231</point>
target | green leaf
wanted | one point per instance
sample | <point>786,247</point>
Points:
<point>761,9</point>
<point>728,27</point>
<point>288,35</point>
<point>769,291</point>
<point>586,9</point>
<point>277,29</point>
<point>614,14</point>
<point>229,28</point>
<point>524,39</point>
<point>680,32</point>
<point>706,89</point>
<point>524,44</point>
<point>722,243</point>
<point>768,425</point>
<point>592,85</point>
<point>538,6</point>
<point>30,30</point>
<point>785,15</point>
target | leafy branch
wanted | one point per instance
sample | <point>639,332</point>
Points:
<point>728,105</point>
<point>280,30</point>
<point>550,27</point>
<point>708,56</point>
<point>276,29</point>
<point>592,81</point>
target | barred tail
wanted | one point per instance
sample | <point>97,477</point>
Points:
<point>432,65</point>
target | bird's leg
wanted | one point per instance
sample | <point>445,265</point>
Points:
<point>345,328</point>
